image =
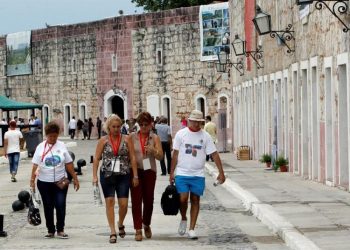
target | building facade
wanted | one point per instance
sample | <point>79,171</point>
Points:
<point>297,104</point>
<point>123,65</point>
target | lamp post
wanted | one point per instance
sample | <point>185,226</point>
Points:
<point>262,23</point>
<point>239,47</point>
<point>225,63</point>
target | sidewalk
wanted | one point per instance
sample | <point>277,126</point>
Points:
<point>305,214</point>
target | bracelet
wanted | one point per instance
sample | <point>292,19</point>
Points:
<point>136,177</point>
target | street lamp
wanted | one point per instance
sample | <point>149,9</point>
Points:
<point>340,6</point>
<point>262,23</point>
<point>203,83</point>
<point>8,92</point>
<point>239,47</point>
<point>225,62</point>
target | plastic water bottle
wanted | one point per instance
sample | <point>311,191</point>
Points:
<point>216,183</point>
<point>97,196</point>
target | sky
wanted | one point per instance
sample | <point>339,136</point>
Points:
<point>23,15</point>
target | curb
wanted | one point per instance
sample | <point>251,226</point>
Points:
<point>267,215</point>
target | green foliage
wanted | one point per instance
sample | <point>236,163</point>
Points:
<point>281,161</point>
<point>156,5</point>
<point>264,158</point>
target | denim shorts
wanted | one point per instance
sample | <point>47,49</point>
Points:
<point>193,184</point>
<point>121,186</point>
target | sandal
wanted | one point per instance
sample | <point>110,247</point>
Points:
<point>138,235</point>
<point>121,231</point>
<point>49,236</point>
<point>62,235</point>
<point>113,238</point>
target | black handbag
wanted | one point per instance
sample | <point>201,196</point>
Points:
<point>33,213</point>
<point>170,201</point>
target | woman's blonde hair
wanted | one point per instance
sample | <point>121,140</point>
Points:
<point>110,119</point>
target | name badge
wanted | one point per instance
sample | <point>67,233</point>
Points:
<point>116,164</point>
<point>146,164</point>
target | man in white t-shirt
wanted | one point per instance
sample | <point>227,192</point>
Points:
<point>72,126</point>
<point>191,145</point>
<point>12,148</point>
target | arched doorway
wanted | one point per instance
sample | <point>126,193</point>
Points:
<point>117,104</point>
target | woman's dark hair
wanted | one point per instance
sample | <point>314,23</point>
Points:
<point>144,117</point>
<point>52,128</point>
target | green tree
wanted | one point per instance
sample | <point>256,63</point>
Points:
<point>155,5</point>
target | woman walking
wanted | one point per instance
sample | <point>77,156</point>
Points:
<point>118,156</point>
<point>51,162</point>
<point>147,149</point>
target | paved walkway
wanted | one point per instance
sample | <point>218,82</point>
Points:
<point>305,214</point>
<point>223,222</point>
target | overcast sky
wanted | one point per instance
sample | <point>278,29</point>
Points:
<point>22,15</point>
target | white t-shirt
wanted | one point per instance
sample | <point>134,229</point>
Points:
<point>52,166</point>
<point>193,148</point>
<point>72,124</point>
<point>13,137</point>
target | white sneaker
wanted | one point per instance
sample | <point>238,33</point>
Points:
<point>192,235</point>
<point>182,227</point>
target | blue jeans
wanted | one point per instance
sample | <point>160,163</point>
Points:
<point>13,160</point>
<point>53,198</point>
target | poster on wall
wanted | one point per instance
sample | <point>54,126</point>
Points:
<point>214,23</point>
<point>18,53</point>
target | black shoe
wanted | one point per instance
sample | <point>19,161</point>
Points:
<point>163,174</point>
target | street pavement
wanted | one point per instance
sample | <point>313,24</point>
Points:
<point>223,223</point>
<point>304,213</point>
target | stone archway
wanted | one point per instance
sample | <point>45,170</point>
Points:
<point>117,105</point>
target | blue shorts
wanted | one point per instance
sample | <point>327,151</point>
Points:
<point>193,184</point>
<point>121,187</point>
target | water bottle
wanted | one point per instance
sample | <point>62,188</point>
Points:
<point>97,196</point>
<point>216,183</point>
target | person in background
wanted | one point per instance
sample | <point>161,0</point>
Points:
<point>3,121</point>
<point>85,129</point>
<point>115,146</point>
<point>72,126</point>
<point>99,127</point>
<point>125,128</point>
<point>210,128</point>
<point>31,122</point>
<point>51,162</point>
<point>91,125</point>
<point>183,122</point>
<point>147,149</point>
<point>80,124</point>
<point>103,126</point>
<point>164,132</point>
<point>191,145</point>
<point>37,122</point>
<point>12,150</point>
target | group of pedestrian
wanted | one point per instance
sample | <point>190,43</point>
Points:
<point>75,127</point>
<point>128,164</point>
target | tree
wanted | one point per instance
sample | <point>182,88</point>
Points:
<point>155,5</point>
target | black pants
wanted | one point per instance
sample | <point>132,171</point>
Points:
<point>53,198</point>
<point>72,133</point>
<point>167,153</point>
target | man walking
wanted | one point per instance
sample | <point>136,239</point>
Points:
<point>163,131</point>
<point>191,145</point>
<point>210,128</point>
<point>99,127</point>
<point>72,126</point>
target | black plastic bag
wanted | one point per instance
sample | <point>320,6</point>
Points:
<point>170,201</point>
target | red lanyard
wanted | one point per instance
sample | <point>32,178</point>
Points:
<point>142,143</point>
<point>115,146</point>
<point>48,150</point>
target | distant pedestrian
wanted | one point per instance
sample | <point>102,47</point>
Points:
<point>118,156</point>
<point>80,124</point>
<point>191,145</point>
<point>91,125</point>
<point>12,148</point>
<point>85,129</point>
<point>164,133</point>
<point>183,122</point>
<point>147,149</point>
<point>103,126</point>
<point>51,162</point>
<point>99,127</point>
<point>210,128</point>
<point>72,126</point>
